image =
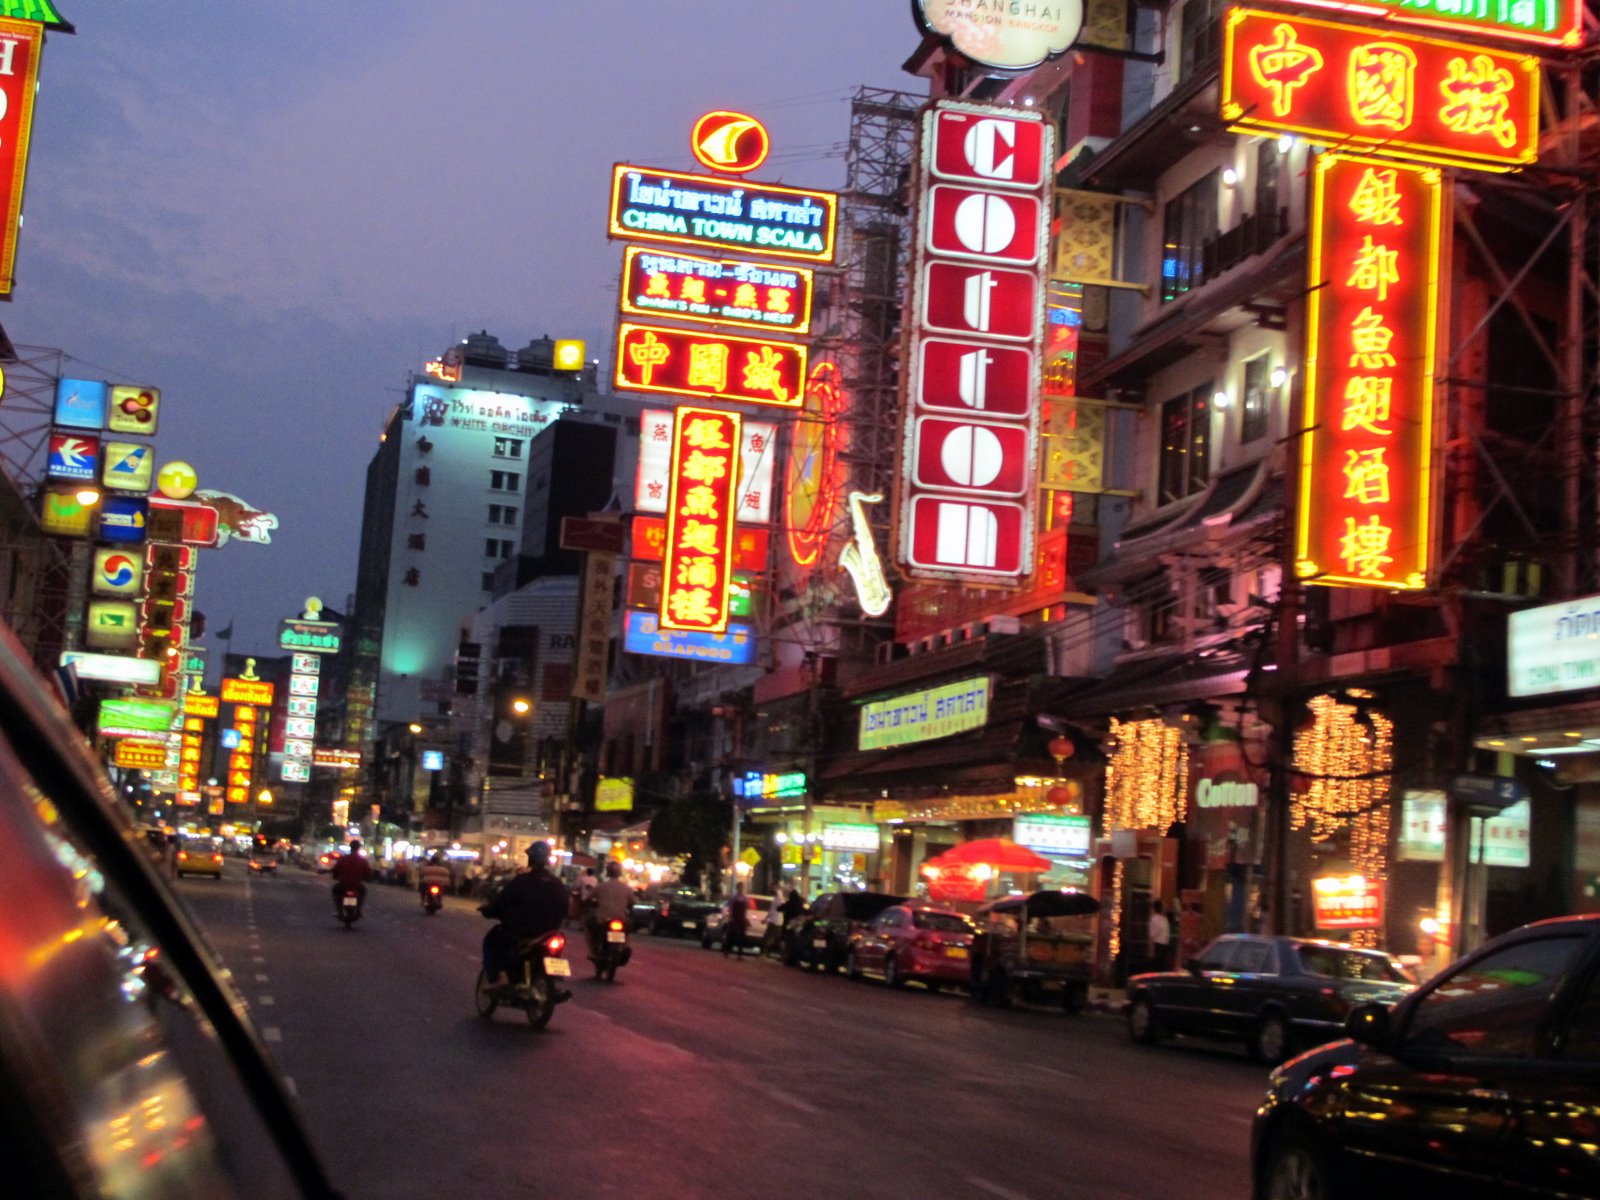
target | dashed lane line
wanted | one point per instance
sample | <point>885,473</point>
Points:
<point>906,1033</point>
<point>288,1086</point>
<point>261,979</point>
<point>794,1102</point>
<point>994,1189</point>
<point>266,1001</point>
<point>272,1033</point>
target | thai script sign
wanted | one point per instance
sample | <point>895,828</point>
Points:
<point>718,291</point>
<point>1554,648</point>
<point>732,214</point>
<point>925,715</point>
<point>1548,22</point>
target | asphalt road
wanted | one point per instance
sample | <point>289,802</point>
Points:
<point>698,1076</point>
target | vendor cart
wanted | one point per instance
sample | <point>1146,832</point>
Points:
<point>1037,948</point>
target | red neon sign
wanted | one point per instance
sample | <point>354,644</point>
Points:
<point>750,544</point>
<point>717,291</point>
<point>1418,97</point>
<point>730,141</point>
<point>700,519</point>
<point>20,42</point>
<point>811,483</point>
<point>712,366</point>
<point>970,432</point>
<point>1370,340</point>
<point>1346,902</point>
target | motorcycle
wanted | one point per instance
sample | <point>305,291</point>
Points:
<point>611,950</point>
<point>349,907</point>
<point>536,965</point>
<point>432,899</point>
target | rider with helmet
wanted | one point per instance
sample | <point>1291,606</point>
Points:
<point>613,901</point>
<point>532,903</point>
<point>351,870</point>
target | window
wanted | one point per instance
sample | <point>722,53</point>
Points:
<point>1268,167</point>
<point>502,514</point>
<point>488,581</point>
<point>1330,962</point>
<point>1495,1005</point>
<point>1202,21</point>
<point>1580,1041</point>
<point>1254,958</point>
<point>1185,444</point>
<point>507,447</point>
<point>1255,414</point>
<point>504,481</point>
<point>497,548</point>
<point>1190,218</point>
<point>1218,955</point>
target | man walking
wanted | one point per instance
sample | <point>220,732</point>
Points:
<point>738,922</point>
<point>1160,938</point>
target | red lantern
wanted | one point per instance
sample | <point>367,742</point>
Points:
<point>1060,797</point>
<point>1060,747</point>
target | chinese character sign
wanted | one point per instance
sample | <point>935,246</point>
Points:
<point>1371,326</point>
<point>20,42</point>
<point>970,430</point>
<point>698,563</point>
<point>713,366</point>
<point>1363,88</point>
<point>756,454</point>
<point>719,291</point>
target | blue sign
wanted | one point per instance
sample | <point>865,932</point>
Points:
<point>1492,792</point>
<point>81,403</point>
<point>736,214</point>
<point>642,634</point>
<point>230,739</point>
<point>73,456</point>
<point>433,760</point>
<point>123,519</point>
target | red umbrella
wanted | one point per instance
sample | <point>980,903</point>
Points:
<point>1000,853</point>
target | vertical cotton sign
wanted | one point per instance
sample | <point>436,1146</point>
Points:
<point>20,42</point>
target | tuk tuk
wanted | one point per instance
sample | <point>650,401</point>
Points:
<point>1035,948</point>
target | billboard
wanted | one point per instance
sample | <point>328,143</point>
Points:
<point>80,404</point>
<point>642,634</point>
<point>1554,648</point>
<point>72,456</point>
<point>698,555</point>
<point>722,214</point>
<point>756,454</point>
<point>750,544</point>
<point>709,365</point>
<point>970,426</point>
<point>812,477</point>
<point>1012,37</point>
<point>717,291</point>
<point>1371,320</point>
<point>1365,89</point>
<point>133,409</point>
<point>925,715</point>
<point>20,43</point>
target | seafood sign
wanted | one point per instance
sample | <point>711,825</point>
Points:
<point>238,519</point>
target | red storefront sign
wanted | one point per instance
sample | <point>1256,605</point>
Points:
<point>1346,902</point>
<point>20,43</point>
<point>195,524</point>
<point>700,520</point>
<point>1372,311</point>
<point>719,291</point>
<point>712,366</point>
<point>964,509</point>
<point>749,544</point>
<point>1367,89</point>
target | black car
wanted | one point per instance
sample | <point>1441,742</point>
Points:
<point>1271,993</point>
<point>820,937</point>
<point>680,912</point>
<point>1483,1082</point>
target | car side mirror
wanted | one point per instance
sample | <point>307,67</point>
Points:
<point>1192,965</point>
<point>1369,1024</point>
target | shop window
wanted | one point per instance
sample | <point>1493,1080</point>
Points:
<point>1187,223</point>
<point>1268,168</point>
<point>1185,465</point>
<point>1199,36</point>
<point>1255,413</point>
<point>507,447</point>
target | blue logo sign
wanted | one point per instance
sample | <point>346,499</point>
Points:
<point>81,403</point>
<point>230,739</point>
<point>123,519</point>
<point>73,456</point>
<point>642,634</point>
<point>433,760</point>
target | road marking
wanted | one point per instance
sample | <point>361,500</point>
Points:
<point>1053,1071</point>
<point>288,1086</point>
<point>261,979</point>
<point>265,1000</point>
<point>906,1033</point>
<point>258,959</point>
<point>994,1189</point>
<point>817,1008</point>
<point>794,1102</point>
<point>272,1033</point>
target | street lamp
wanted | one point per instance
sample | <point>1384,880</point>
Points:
<point>520,706</point>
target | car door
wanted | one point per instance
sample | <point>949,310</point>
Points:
<point>872,943</point>
<point>1239,995</point>
<point>1185,998</point>
<point>1436,1111</point>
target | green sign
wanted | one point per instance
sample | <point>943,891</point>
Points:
<point>850,837</point>
<point>614,795</point>
<point>1551,22</point>
<point>35,10</point>
<point>310,637</point>
<point>922,716</point>
<point>122,718</point>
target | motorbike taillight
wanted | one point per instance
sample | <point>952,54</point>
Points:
<point>617,925</point>
<point>556,944</point>
<point>433,889</point>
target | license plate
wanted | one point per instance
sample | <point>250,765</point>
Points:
<point>688,924</point>
<point>557,966</point>
<point>956,951</point>
<point>616,935</point>
<point>351,901</point>
<point>819,944</point>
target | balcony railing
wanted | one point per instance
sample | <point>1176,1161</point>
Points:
<point>1250,236</point>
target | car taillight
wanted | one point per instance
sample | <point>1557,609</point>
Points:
<point>617,925</point>
<point>216,858</point>
<point>433,889</point>
<point>183,854</point>
<point>556,944</point>
<point>665,909</point>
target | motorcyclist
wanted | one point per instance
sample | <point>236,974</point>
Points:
<point>532,903</point>
<point>613,901</point>
<point>351,869</point>
<point>435,870</point>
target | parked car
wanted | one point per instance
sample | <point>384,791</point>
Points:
<point>128,1065</point>
<point>680,912</point>
<point>197,856</point>
<point>1271,993</point>
<point>820,937</point>
<point>907,941</point>
<point>755,926</point>
<point>1483,1082</point>
<point>1035,947</point>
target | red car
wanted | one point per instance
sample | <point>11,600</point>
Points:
<point>931,945</point>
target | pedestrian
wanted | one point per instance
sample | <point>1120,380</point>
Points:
<point>1160,937</point>
<point>738,921</point>
<point>774,930</point>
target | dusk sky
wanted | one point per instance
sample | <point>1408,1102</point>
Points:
<point>273,211</point>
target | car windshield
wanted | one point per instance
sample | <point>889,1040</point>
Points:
<point>939,922</point>
<point>1335,962</point>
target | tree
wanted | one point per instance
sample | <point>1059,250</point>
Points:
<point>693,828</point>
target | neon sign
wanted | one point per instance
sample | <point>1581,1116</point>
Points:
<point>730,141</point>
<point>642,634</point>
<point>1370,322</point>
<point>1346,902</point>
<point>1549,22</point>
<point>654,478</point>
<point>718,291</point>
<point>970,431</point>
<point>699,548</point>
<point>20,43</point>
<point>712,366</point>
<point>750,544</point>
<point>810,481</point>
<point>1418,97</point>
<point>725,214</point>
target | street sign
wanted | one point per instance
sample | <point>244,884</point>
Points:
<point>599,537</point>
<point>1492,793</point>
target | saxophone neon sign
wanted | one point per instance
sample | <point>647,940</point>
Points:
<point>860,558</point>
